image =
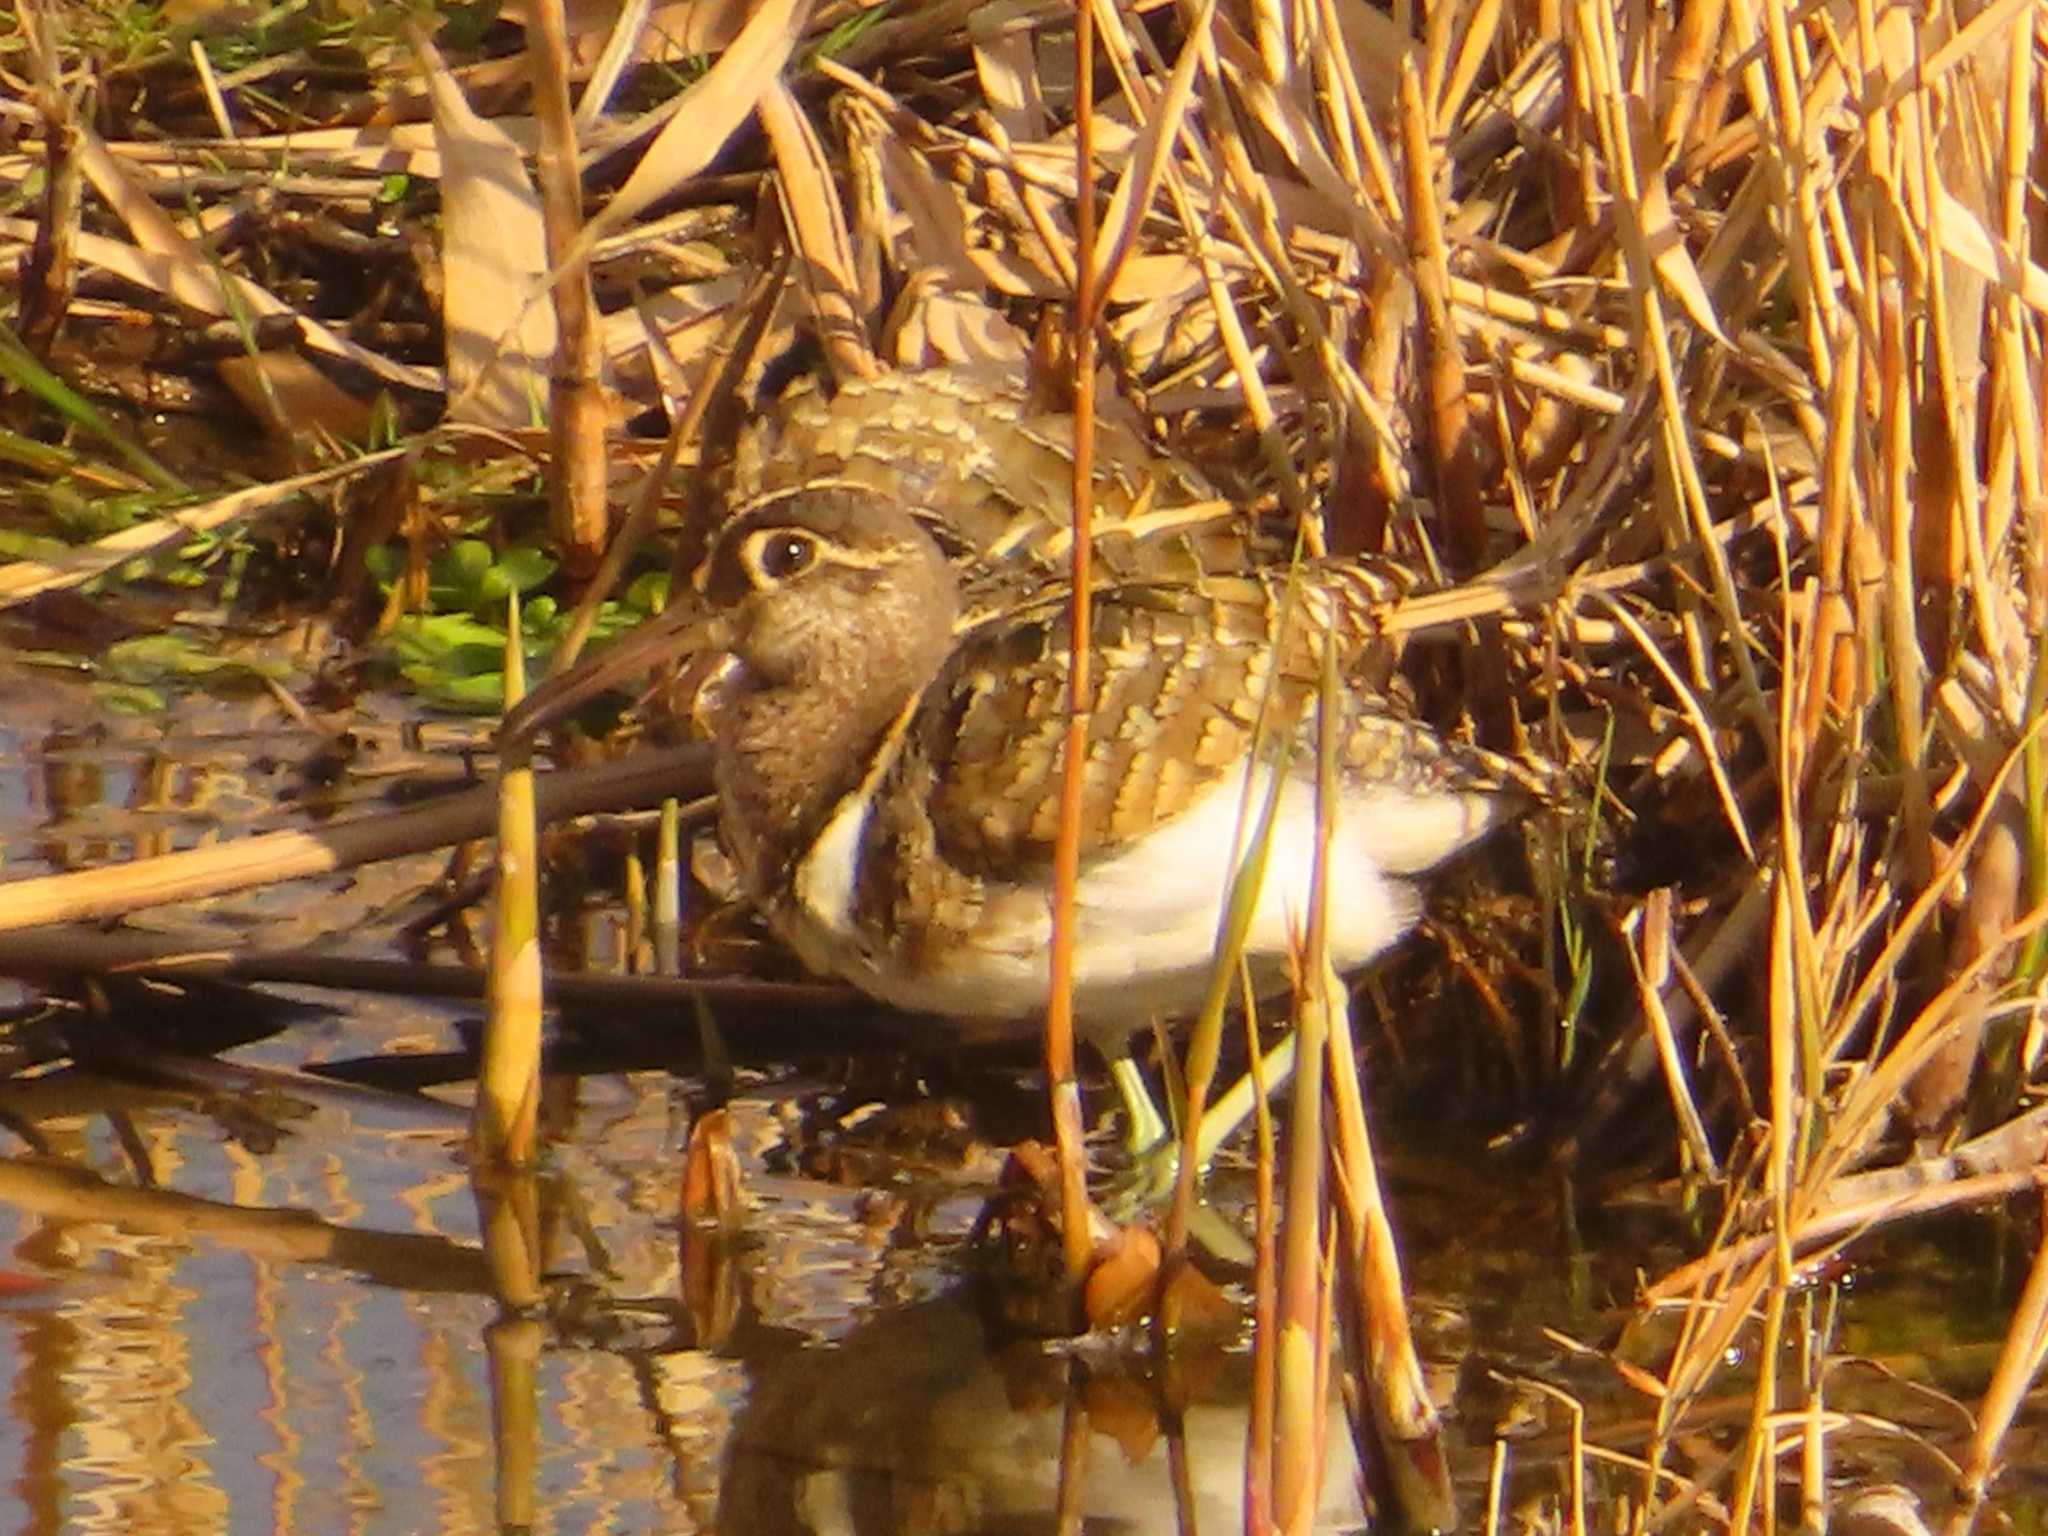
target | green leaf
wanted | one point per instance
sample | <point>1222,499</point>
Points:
<point>478,693</point>
<point>152,659</point>
<point>129,699</point>
<point>649,593</point>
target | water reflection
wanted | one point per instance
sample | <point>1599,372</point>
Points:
<point>921,1421</point>
<point>260,1302</point>
<point>196,1337</point>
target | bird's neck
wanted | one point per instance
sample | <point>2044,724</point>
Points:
<point>789,754</point>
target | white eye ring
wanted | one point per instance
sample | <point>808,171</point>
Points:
<point>773,556</point>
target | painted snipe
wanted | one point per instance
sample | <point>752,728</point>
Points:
<point>888,717</point>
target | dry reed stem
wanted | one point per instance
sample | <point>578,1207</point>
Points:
<point>580,517</point>
<point>1300,1346</point>
<point>21,580</point>
<point>1061,1084</point>
<point>196,873</point>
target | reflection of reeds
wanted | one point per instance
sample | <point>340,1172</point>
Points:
<point>196,873</point>
<point>404,1260</point>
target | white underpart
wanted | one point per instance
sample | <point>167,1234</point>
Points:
<point>1150,915</point>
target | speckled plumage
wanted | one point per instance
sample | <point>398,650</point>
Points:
<point>893,805</point>
<point>888,720</point>
<point>965,450</point>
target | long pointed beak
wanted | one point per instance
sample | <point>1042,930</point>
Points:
<point>681,630</point>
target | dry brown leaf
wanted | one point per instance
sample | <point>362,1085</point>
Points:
<point>295,400</point>
<point>376,149</point>
<point>1663,240</point>
<point>1124,1278</point>
<point>500,332</point>
<point>1006,63</point>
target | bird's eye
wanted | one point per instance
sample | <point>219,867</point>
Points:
<point>781,553</point>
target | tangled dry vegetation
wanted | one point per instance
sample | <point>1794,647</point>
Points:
<point>1696,351</point>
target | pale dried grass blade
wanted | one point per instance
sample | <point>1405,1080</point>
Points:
<point>697,123</point>
<point>209,83</point>
<point>1962,235</point>
<point>817,227</point>
<point>1649,950</point>
<point>1481,27</point>
<point>622,45</point>
<point>499,334</point>
<point>1006,64</point>
<point>1139,184</point>
<point>1663,240</point>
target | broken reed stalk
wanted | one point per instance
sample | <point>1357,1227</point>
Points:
<point>641,781</point>
<point>505,1124</point>
<point>1061,1084</point>
<point>515,1344</point>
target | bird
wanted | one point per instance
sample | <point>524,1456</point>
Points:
<point>889,778</point>
<point>887,709</point>
<point>991,470</point>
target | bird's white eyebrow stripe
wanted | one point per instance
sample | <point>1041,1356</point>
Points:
<point>856,560</point>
